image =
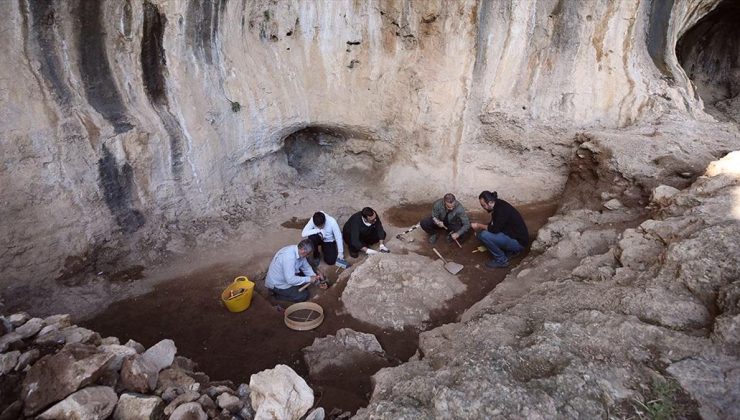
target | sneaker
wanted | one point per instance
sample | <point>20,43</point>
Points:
<point>433,239</point>
<point>494,264</point>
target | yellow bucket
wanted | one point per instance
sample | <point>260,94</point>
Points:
<point>238,296</point>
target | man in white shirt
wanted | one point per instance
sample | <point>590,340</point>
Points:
<point>324,233</point>
<point>289,271</point>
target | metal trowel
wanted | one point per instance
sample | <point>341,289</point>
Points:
<point>450,266</point>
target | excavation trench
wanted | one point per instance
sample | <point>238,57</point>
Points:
<point>233,346</point>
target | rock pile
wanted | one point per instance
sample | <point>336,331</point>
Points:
<point>51,369</point>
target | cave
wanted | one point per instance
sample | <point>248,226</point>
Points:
<point>710,55</point>
<point>156,153</point>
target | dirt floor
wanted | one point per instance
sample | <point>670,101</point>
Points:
<point>233,346</point>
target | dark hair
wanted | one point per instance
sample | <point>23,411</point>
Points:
<point>488,196</point>
<point>319,219</point>
<point>367,212</point>
<point>450,198</point>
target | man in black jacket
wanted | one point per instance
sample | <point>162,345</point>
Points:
<point>362,230</point>
<point>506,235</point>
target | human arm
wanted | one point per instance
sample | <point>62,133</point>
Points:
<point>499,218</point>
<point>465,221</point>
<point>288,268</point>
<point>310,229</point>
<point>337,237</point>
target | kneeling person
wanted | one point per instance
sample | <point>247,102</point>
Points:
<point>324,233</point>
<point>506,235</point>
<point>449,215</point>
<point>362,230</point>
<point>289,271</point>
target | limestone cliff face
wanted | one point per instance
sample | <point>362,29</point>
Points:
<point>135,120</point>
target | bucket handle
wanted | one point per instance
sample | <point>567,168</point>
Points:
<point>241,278</point>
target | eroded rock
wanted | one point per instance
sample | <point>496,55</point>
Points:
<point>189,411</point>
<point>138,407</point>
<point>341,351</point>
<point>92,403</point>
<point>280,393</point>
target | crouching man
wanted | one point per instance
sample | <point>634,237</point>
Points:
<point>362,230</point>
<point>506,235</point>
<point>289,271</point>
<point>324,233</point>
<point>447,215</point>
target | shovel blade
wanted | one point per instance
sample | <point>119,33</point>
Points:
<point>453,267</point>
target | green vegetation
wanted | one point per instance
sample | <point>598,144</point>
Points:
<point>663,405</point>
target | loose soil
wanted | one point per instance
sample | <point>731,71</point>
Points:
<point>233,346</point>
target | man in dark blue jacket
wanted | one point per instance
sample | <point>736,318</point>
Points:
<point>506,235</point>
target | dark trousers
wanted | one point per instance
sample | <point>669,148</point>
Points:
<point>431,228</point>
<point>368,239</point>
<point>328,248</point>
<point>291,294</point>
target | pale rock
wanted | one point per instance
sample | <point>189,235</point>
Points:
<point>69,335</point>
<point>110,341</point>
<point>30,327</point>
<point>92,403</point>
<point>613,204</point>
<point>49,328</point>
<point>177,378</point>
<point>714,384</point>
<point>345,349</point>
<point>229,402</point>
<point>138,407</point>
<point>727,330</point>
<point>61,320</point>
<point>161,355</point>
<point>119,353</point>
<point>10,339</point>
<point>316,414</point>
<point>8,361</point>
<point>280,393</point>
<point>189,411</point>
<point>243,391</point>
<point>136,346</point>
<point>18,319</point>
<point>206,402</point>
<point>397,291</point>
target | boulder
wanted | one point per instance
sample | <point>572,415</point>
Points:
<point>54,377</point>
<point>344,349</point>
<point>119,353</point>
<point>137,374</point>
<point>18,319</point>
<point>30,328</point>
<point>613,204</point>
<point>93,403</point>
<point>662,195</point>
<point>138,407</point>
<point>161,355</point>
<point>28,358</point>
<point>189,411</point>
<point>69,335</point>
<point>397,291</point>
<point>8,361</point>
<point>280,393</point>
<point>714,384</point>
<point>229,402</point>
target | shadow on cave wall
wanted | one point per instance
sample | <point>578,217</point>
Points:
<point>710,54</point>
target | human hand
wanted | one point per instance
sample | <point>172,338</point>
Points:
<point>383,248</point>
<point>438,222</point>
<point>454,236</point>
<point>371,251</point>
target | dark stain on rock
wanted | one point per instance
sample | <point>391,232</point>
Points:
<point>153,67</point>
<point>40,17</point>
<point>127,18</point>
<point>100,87</point>
<point>202,26</point>
<point>660,17</point>
<point>117,185</point>
<point>153,60</point>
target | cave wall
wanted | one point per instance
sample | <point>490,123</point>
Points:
<point>125,121</point>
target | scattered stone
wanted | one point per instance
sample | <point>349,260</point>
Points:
<point>170,393</point>
<point>138,407</point>
<point>16,320</point>
<point>189,411</point>
<point>119,353</point>
<point>613,204</point>
<point>137,374</point>
<point>69,335</point>
<point>215,391</point>
<point>110,341</point>
<point>280,393</point>
<point>181,399</point>
<point>206,402</point>
<point>54,377</point>
<point>28,358</point>
<point>49,328</point>
<point>92,403</point>
<point>243,390</point>
<point>161,355</point>
<point>136,346</point>
<point>62,320</point>
<point>246,413</point>
<point>342,350</point>
<point>9,340</point>
<point>30,328</point>
<point>229,402</point>
<point>175,377</point>
<point>397,291</point>
<point>8,361</point>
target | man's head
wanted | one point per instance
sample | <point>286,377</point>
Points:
<point>319,219</point>
<point>450,201</point>
<point>305,247</point>
<point>369,215</point>
<point>488,200</point>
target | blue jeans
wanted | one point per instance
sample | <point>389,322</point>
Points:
<point>499,244</point>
